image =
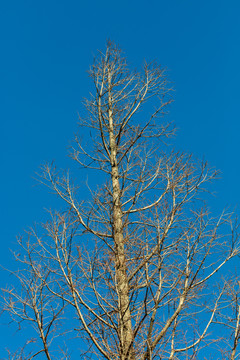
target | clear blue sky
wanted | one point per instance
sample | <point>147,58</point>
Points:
<point>46,49</point>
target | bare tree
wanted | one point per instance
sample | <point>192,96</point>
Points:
<point>135,272</point>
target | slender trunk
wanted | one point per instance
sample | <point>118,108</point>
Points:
<point>125,323</point>
<point>236,335</point>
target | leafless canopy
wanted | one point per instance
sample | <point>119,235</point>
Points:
<point>135,272</point>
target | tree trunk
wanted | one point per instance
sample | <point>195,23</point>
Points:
<point>122,286</point>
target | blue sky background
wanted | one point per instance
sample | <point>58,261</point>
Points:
<point>46,49</point>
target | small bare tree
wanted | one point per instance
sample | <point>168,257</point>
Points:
<point>135,271</point>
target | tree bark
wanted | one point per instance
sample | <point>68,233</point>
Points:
<point>122,285</point>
